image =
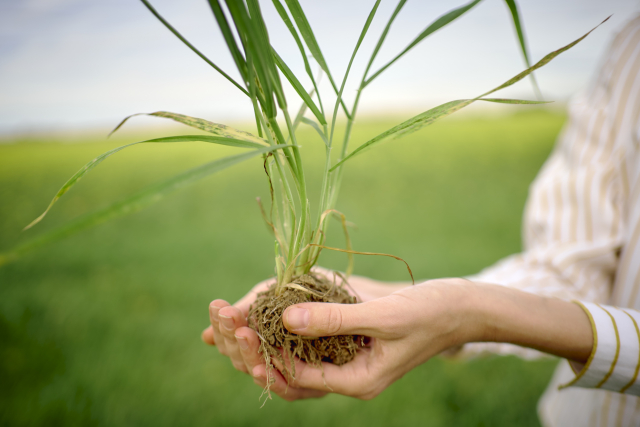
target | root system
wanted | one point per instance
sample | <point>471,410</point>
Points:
<point>277,342</point>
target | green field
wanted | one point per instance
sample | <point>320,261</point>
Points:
<point>104,327</point>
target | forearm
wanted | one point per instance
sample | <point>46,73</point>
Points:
<point>547,324</point>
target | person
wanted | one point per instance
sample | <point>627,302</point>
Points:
<point>581,235</point>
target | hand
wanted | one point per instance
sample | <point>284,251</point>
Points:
<point>407,328</point>
<point>415,323</point>
<point>229,330</point>
<point>230,333</point>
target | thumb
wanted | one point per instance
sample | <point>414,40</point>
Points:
<point>326,319</point>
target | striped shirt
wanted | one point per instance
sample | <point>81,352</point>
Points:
<point>581,237</point>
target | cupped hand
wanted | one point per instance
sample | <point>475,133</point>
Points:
<point>228,330</point>
<point>406,328</point>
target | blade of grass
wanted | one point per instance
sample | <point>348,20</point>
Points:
<point>285,18</point>
<point>310,39</point>
<point>300,90</point>
<point>190,46</point>
<point>95,162</point>
<point>254,47</point>
<point>202,124</point>
<point>435,26</point>
<point>430,116</point>
<point>317,128</point>
<point>544,61</point>
<point>265,49</point>
<point>515,16</point>
<point>381,40</point>
<point>513,101</point>
<point>326,179</point>
<point>238,58</point>
<point>134,203</point>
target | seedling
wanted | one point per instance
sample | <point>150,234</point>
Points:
<point>299,237</point>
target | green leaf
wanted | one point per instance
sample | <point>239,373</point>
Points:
<point>513,101</point>
<point>310,39</point>
<point>423,119</point>
<point>363,33</point>
<point>307,33</point>
<point>95,162</point>
<point>202,124</point>
<point>134,203</point>
<point>383,36</point>
<point>316,127</point>
<point>264,47</point>
<point>513,8</point>
<point>436,113</point>
<point>298,87</point>
<point>285,18</point>
<point>196,51</point>
<point>238,58</point>
<point>258,53</point>
<point>435,26</point>
<point>544,61</point>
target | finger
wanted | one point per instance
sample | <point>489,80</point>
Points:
<point>280,387</point>
<point>322,319</point>
<point>214,308</point>
<point>249,345</point>
<point>230,318</point>
<point>355,378</point>
<point>207,336</point>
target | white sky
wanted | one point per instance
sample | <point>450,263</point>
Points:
<point>74,64</point>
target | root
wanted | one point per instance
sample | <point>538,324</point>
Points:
<point>265,317</point>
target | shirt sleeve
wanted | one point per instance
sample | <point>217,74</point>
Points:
<point>573,227</point>
<point>615,359</point>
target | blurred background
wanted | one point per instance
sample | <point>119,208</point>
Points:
<point>103,328</point>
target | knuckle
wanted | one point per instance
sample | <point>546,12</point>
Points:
<point>332,321</point>
<point>370,393</point>
<point>239,366</point>
<point>289,397</point>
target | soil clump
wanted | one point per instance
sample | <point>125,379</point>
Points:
<point>265,317</point>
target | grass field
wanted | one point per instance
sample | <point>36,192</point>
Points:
<point>104,327</point>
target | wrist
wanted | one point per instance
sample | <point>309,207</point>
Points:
<point>550,325</point>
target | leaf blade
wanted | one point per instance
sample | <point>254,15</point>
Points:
<point>427,118</point>
<point>95,162</point>
<point>515,17</point>
<point>190,46</point>
<point>201,124</point>
<point>134,203</point>
<point>442,21</point>
<point>443,110</point>
<point>297,86</point>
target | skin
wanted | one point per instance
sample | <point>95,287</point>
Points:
<point>408,325</point>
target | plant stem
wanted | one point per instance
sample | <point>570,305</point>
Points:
<point>302,234</point>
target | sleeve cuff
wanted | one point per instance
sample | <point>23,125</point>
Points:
<point>615,358</point>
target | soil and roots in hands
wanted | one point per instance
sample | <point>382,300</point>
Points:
<point>265,317</point>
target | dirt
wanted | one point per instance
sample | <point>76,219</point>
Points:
<point>265,317</point>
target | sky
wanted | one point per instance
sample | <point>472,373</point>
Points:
<point>85,64</point>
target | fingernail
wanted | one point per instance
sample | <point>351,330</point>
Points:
<point>214,312</point>
<point>298,318</point>
<point>227,322</point>
<point>256,372</point>
<point>242,342</point>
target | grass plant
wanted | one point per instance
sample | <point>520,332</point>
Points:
<point>300,231</point>
<point>103,327</point>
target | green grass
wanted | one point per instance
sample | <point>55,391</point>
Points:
<point>104,327</point>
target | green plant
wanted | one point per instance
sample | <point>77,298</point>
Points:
<point>299,238</point>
